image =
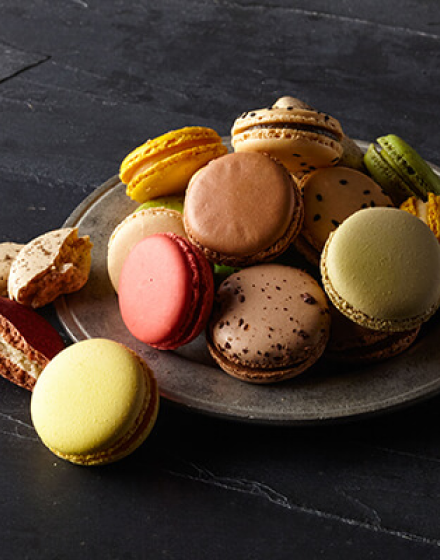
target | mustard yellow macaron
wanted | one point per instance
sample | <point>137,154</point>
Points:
<point>95,402</point>
<point>164,165</point>
<point>428,211</point>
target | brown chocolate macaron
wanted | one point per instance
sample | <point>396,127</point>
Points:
<point>270,323</point>
<point>242,209</point>
<point>27,343</point>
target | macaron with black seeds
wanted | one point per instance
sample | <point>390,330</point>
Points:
<point>292,132</point>
<point>270,323</point>
<point>331,195</point>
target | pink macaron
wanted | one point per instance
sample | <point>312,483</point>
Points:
<point>166,291</point>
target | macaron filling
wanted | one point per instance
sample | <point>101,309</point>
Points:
<point>297,127</point>
<point>20,359</point>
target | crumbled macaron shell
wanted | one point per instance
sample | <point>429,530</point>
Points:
<point>55,263</point>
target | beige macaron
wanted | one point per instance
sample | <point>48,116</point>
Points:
<point>331,195</point>
<point>133,229</point>
<point>55,263</point>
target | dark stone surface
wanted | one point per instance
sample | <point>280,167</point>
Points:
<point>81,83</point>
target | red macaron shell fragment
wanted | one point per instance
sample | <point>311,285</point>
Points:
<point>35,330</point>
<point>165,291</point>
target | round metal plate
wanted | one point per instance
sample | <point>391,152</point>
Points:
<point>189,377</point>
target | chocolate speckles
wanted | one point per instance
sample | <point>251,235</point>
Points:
<point>255,333</point>
<point>308,299</point>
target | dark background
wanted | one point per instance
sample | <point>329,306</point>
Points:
<point>82,82</point>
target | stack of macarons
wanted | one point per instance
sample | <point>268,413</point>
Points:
<point>294,181</point>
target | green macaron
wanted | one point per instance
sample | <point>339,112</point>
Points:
<point>172,202</point>
<point>400,170</point>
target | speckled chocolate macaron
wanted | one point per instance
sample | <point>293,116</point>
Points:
<point>270,323</point>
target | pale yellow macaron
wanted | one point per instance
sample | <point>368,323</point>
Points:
<point>55,263</point>
<point>381,268</point>
<point>95,402</point>
<point>164,165</point>
<point>133,229</point>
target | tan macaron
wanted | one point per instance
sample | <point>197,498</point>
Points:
<point>301,138</point>
<point>133,229</point>
<point>331,195</point>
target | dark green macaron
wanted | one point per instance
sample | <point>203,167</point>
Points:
<point>400,170</point>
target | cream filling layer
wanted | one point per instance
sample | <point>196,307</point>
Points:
<point>19,359</point>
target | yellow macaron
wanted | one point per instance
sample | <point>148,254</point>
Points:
<point>164,165</point>
<point>428,212</point>
<point>95,402</point>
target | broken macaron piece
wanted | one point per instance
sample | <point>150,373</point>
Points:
<point>27,343</point>
<point>8,252</point>
<point>55,263</point>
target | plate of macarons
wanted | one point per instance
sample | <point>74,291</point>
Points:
<point>287,274</point>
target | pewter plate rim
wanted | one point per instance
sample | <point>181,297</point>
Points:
<point>188,377</point>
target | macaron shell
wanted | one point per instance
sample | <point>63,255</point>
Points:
<point>173,202</point>
<point>55,263</point>
<point>352,155</point>
<point>233,216</point>
<point>409,165</point>
<point>27,343</point>
<point>89,399</point>
<point>350,343</point>
<point>288,102</point>
<point>166,291</point>
<point>133,229</point>
<point>155,283</point>
<point>166,145</point>
<point>270,322</point>
<point>171,175</point>
<point>381,268</point>
<point>386,176</point>
<point>331,195</point>
<point>428,212</point>
<point>202,297</point>
<point>8,252</point>
<point>301,139</point>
